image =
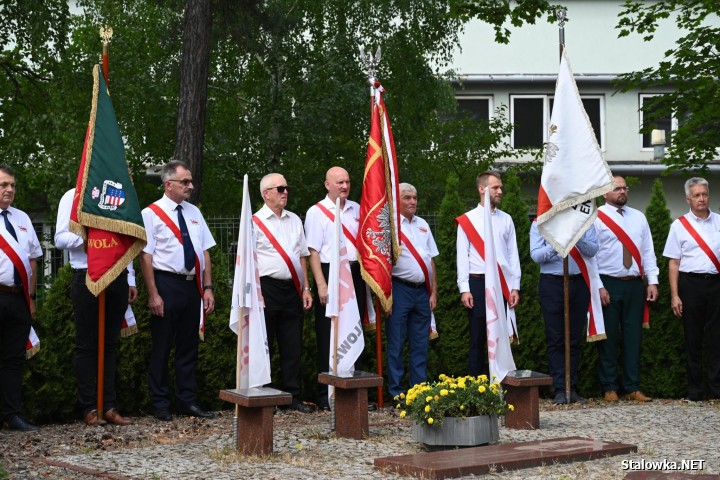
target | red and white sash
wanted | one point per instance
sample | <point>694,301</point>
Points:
<point>701,242</point>
<point>634,252</point>
<point>21,262</point>
<point>369,318</point>
<point>293,263</point>
<point>596,321</point>
<point>198,269</point>
<point>477,241</point>
<point>425,267</point>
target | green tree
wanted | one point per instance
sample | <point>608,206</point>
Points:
<point>449,354</point>
<point>663,343</point>
<point>691,67</point>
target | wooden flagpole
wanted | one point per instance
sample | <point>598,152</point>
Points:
<point>560,13</point>
<point>105,35</point>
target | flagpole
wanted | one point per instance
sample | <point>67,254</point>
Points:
<point>560,13</point>
<point>371,63</point>
<point>238,359</point>
<point>105,36</point>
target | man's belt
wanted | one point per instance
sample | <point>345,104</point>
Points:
<point>408,283</point>
<point>626,278</point>
<point>477,275</point>
<point>178,276</point>
<point>572,278</point>
<point>705,276</point>
<point>15,290</point>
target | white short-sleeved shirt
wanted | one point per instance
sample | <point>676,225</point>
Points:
<point>288,230</point>
<point>27,239</point>
<point>165,248</point>
<point>418,232</point>
<point>682,246</point>
<point>318,228</point>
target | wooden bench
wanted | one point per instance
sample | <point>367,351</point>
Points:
<point>255,417</point>
<point>522,388</point>
<point>351,402</point>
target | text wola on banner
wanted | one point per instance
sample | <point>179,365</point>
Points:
<point>378,243</point>
<point>342,303</point>
<point>574,172</point>
<point>248,306</point>
<point>105,211</point>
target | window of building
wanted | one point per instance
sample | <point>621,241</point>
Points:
<point>668,123</point>
<point>530,115</point>
<point>475,107</point>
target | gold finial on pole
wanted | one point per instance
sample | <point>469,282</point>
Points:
<point>106,33</point>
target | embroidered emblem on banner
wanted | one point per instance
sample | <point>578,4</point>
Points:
<point>112,195</point>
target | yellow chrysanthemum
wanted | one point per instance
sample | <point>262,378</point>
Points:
<point>481,389</point>
<point>462,408</point>
<point>511,408</point>
<point>402,395</point>
<point>427,408</point>
<point>428,398</point>
<point>402,414</point>
<point>430,421</point>
<point>443,392</point>
<point>436,398</point>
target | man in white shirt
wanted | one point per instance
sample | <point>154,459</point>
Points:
<point>622,230</point>
<point>19,251</point>
<point>319,232</point>
<point>694,278</point>
<point>85,314</point>
<point>282,261</point>
<point>471,264</point>
<point>414,296</point>
<point>178,276</point>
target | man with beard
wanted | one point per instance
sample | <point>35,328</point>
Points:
<point>625,256</point>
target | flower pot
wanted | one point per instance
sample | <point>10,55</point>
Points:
<point>459,432</point>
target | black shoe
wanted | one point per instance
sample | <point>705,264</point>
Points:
<point>575,398</point>
<point>163,415</point>
<point>372,407</point>
<point>195,411</point>
<point>300,407</point>
<point>323,406</point>
<point>16,422</point>
<point>560,399</point>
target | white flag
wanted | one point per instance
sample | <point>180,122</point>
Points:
<point>574,172</point>
<point>500,356</point>
<point>33,344</point>
<point>247,306</point>
<point>342,303</point>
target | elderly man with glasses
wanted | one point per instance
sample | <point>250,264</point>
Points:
<point>282,253</point>
<point>178,277</point>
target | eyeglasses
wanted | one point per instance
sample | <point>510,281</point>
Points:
<point>621,189</point>
<point>185,181</point>
<point>281,189</point>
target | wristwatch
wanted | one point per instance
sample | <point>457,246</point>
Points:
<point>208,287</point>
<point>307,289</point>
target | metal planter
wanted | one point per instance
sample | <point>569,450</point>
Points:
<point>459,432</point>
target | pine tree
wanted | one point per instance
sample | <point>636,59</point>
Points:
<point>449,354</point>
<point>662,362</point>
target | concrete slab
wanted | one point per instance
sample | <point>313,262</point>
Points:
<point>497,458</point>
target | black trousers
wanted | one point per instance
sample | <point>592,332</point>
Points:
<point>552,303</point>
<point>701,323</point>
<point>14,330</point>
<point>284,322</point>
<point>478,359</point>
<point>179,328</point>
<point>322,325</point>
<point>85,314</point>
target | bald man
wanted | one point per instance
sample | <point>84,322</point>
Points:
<point>319,230</point>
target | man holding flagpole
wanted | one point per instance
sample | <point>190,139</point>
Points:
<point>471,267</point>
<point>118,295</point>
<point>319,231</point>
<point>20,250</point>
<point>178,277</point>
<point>282,261</point>
<point>551,292</point>
<point>414,296</point>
